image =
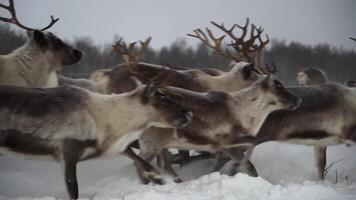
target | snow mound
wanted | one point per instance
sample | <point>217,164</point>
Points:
<point>215,187</point>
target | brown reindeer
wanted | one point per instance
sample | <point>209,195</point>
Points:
<point>36,62</point>
<point>69,124</point>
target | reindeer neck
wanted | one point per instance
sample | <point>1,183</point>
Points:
<point>34,67</point>
<point>248,110</point>
<point>224,82</point>
<point>120,114</point>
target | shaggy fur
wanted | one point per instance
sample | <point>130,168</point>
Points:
<point>69,124</point>
<point>36,62</point>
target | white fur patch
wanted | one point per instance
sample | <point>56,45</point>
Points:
<point>123,142</point>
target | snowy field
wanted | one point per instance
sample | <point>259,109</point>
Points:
<point>287,172</point>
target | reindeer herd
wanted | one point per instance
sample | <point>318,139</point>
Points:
<point>153,108</point>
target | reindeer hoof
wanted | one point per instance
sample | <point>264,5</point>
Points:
<point>158,181</point>
<point>177,180</point>
<point>155,178</point>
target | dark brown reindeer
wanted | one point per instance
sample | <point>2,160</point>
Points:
<point>69,124</point>
<point>36,62</point>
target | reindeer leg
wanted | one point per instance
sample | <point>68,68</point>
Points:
<point>146,170</point>
<point>70,154</point>
<point>320,156</point>
<point>241,161</point>
<point>220,161</point>
<point>166,165</point>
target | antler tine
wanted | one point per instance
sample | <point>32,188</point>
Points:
<point>242,47</point>
<point>127,52</point>
<point>14,20</point>
<point>217,43</point>
<point>144,47</point>
<point>354,39</point>
<point>244,28</point>
<point>227,31</point>
<point>258,36</point>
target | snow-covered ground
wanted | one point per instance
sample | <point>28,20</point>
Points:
<point>287,172</point>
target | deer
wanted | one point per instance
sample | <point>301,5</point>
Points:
<point>331,102</point>
<point>220,120</point>
<point>241,75</point>
<point>35,64</point>
<point>69,124</point>
<point>311,76</point>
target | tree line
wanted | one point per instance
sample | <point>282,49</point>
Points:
<point>339,64</point>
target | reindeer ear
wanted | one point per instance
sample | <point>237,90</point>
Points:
<point>39,37</point>
<point>266,81</point>
<point>147,93</point>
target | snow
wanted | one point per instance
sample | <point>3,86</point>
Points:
<point>287,172</point>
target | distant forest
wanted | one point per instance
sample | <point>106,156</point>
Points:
<point>339,64</point>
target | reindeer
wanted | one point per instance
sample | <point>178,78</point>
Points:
<point>220,119</point>
<point>311,76</point>
<point>69,124</point>
<point>241,75</point>
<point>36,62</point>
<point>326,116</point>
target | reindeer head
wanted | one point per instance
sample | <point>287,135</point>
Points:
<point>271,94</point>
<point>56,52</point>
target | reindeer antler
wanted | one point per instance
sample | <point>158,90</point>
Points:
<point>216,44</point>
<point>354,39</point>
<point>244,47</point>
<point>14,19</point>
<point>127,51</point>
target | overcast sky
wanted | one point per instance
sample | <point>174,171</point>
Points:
<point>306,21</point>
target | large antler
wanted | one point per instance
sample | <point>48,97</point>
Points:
<point>128,51</point>
<point>214,43</point>
<point>14,19</point>
<point>244,47</point>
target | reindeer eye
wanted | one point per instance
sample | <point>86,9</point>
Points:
<point>278,84</point>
